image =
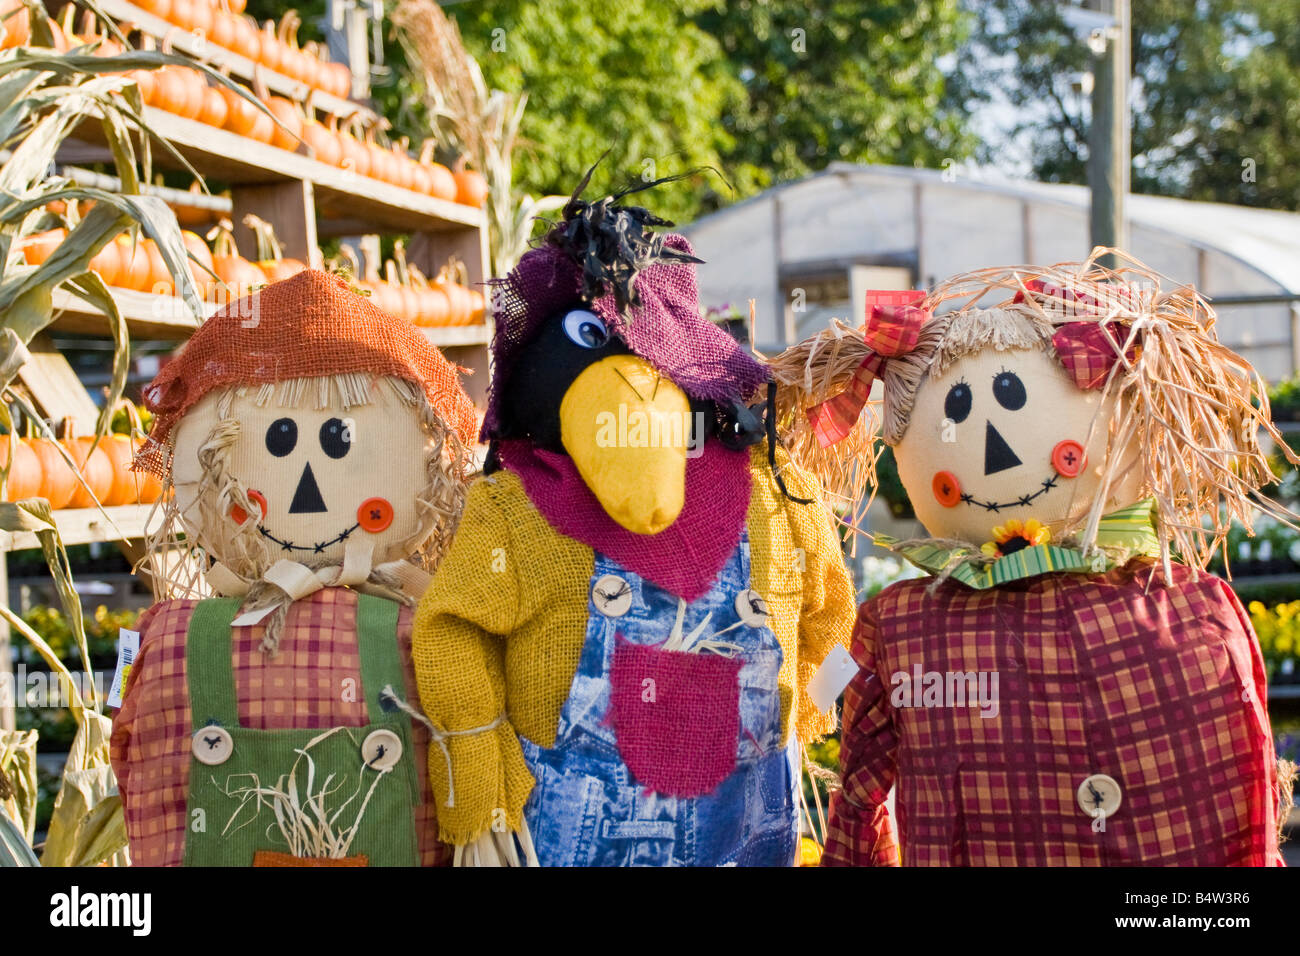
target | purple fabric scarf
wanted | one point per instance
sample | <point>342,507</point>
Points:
<point>684,558</point>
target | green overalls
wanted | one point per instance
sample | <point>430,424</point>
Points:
<point>352,771</point>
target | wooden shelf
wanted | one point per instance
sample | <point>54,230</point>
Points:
<point>166,317</point>
<point>339,193</point>
<point>217,57</point>
<point>83,525</point>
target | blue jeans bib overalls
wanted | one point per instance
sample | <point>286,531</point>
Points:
<point>588,809</point>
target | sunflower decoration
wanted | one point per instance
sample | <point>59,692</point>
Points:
<point>1016,535</point>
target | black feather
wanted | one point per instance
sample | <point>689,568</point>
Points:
<point>613,243</point>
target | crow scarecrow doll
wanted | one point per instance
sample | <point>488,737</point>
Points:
<point>1069,686</point>
<point>316,449</point>
<point>616,648</point>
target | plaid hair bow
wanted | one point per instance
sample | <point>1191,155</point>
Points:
<point>1087,348</point>
<point>891,330</point>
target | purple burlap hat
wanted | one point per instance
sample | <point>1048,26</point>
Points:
<point>664,326</point>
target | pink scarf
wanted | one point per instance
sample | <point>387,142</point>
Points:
<point>683,559</point>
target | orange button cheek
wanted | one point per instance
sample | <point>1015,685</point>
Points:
<point>947,489</point>
<point>240,515</point>
<point>1069,459</point>
<point>374,515</point>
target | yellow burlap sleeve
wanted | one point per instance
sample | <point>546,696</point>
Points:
<point>459,654</point>
<point>829,600</point>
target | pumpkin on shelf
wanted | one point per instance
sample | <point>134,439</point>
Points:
<point>471,187</point>
<point>201,265</point>
<point>322,139</point>
<point>270,257</point>
<point>442,184</point>
<point>96,470</point>
<point>238,276</point>
<point>58,480</point>
<point>108,262</point>
<point>41,245</point>
<point>17,25</point>
<point>24,474</point>
<point>286,132</point>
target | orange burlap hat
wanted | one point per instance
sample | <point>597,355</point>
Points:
<point>311,325</point>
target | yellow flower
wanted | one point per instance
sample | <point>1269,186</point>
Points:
<point>1016,535</point>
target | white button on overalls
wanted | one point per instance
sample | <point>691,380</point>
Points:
<point>212,745</point>
<point>611,595</point>
<point>381,750</point>
<point>751,608</point>
<point>1099,794</point>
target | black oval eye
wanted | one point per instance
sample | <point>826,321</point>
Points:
<point>586,329</point>
<point>957,405</point>
<point>335,438</point>
<point>1009,390</point>
<point>281,437</point>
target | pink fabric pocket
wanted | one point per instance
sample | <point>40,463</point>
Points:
<point>676,717</point>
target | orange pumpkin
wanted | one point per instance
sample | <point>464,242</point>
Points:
<point>442,183</point>
<point>223,29</point>
<point>159,8</point>
<point>215,110</point>
<point>241,115</point>
<point>160,281</point>
<point>288,133</point>
<point>277,269</point>
<point>272,48</point>
<point>182,13</point>
<point>201,257</point>
<point>437,307</point>
<point>58,482</point>
<point>137,271</point>
<point>323,141</point>
<point>25,475</point>
<point>471,187</point>
<point>478,306</point>
<point>96,468</point>
<point>108,262</point>
<point>120,451</point>
<point>248,39</point>
<point>17,25</point>
<point>41,245</point>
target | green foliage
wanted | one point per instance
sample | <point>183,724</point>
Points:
<point>1278,629</point>
<point>838,80</point>
<point>1216,94</point>
<point>637,77</point>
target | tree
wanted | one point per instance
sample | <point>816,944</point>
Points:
<point>636,77</point>
<point>1216,94</point>
<point>839,80</point>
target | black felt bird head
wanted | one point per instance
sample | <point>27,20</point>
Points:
<point>599,323</point>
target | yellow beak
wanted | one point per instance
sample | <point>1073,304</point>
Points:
<point>627,429</point>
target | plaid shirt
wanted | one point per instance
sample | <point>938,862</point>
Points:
<point>1160,688</point>
<point>300,688</point>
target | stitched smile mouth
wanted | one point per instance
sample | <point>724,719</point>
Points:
<point>996,506</point>
<point>314,548</point>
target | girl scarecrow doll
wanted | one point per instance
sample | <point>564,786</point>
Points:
<point>314,448</point>
<point>618,643</point>
<point>1068,686</point>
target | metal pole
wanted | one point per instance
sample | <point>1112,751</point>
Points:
<point>1109,151</point>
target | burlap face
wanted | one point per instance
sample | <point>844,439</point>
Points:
<point>666,329</point>
<point>316,467</point>
<point>992,420</point>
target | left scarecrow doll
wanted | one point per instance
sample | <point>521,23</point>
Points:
<point>315,450</point>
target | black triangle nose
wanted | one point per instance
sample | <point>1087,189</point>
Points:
<point>998,455</point>
<point>307,498</point>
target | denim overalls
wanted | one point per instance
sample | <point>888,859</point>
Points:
<point>588,808</point>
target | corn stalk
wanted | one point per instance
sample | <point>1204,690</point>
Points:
<point>45,97</point>
<point>473,121</point>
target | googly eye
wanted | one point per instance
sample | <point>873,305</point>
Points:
<point>585,329</point>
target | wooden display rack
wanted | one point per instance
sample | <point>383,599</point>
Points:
<point>303,200</point>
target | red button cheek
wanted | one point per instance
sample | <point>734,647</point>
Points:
<point>375,515</point>
<point>239,515</point>
<point>1069,459</point>
<point>946,488</point>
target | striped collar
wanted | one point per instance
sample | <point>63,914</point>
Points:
<point>1121,536</point>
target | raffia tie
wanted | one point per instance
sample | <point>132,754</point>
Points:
<point>439,735</point>
<point>294,581</point>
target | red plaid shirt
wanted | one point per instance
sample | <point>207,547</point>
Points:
<point>299,688</point>
<point>1160,688</point>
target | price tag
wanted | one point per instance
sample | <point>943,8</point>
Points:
<point>832,677</point>
<point>128,646</point>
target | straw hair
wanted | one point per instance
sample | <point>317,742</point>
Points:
<point>177,562</point>
<point>1191,407</point>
